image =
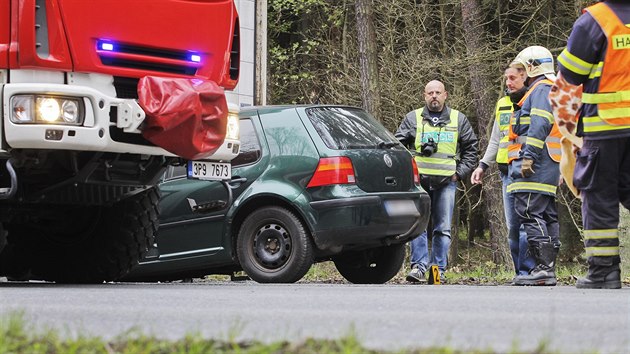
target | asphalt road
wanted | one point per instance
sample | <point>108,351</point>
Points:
<point>391,317</point>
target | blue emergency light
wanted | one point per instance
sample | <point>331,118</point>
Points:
<point>108,46</point>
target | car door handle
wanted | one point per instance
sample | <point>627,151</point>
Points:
<point>236,182</point>
<point>391,181</point>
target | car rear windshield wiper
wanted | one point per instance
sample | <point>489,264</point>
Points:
<point>352,147</point>
<point>386,145</point>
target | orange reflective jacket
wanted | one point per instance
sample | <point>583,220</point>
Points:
<point>552,141</point>
<point>613,96</point>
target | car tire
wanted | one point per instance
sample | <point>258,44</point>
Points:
<point>273,246</point>
<point>88,244</point>
<point>371,266</point>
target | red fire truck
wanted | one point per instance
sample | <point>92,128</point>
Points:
<point>97,98</point>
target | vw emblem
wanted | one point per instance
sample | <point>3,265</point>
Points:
<point>388,160</point>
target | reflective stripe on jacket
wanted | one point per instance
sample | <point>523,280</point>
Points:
<point>552,141</point>
<point>613,96</point>
<point>502,115</point>
<point>533,124</point>
<point>442,162</point>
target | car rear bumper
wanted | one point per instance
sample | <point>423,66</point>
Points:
<point>369,221</point>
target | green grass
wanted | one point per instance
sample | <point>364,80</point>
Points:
<point>16,336</point>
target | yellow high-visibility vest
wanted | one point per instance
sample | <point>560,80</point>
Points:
<point>502,115</point>
<point>442,162</point>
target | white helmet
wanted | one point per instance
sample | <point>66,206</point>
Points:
<point>537,61</point>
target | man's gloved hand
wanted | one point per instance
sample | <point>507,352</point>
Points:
<point>527,169</point>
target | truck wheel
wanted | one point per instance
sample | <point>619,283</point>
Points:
<point>14,262</point>
<point>371,266</point>
<point>273,246</point>
<point>89,244</point>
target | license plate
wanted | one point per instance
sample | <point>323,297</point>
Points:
<point>214,171</point>
<point>400,207</point>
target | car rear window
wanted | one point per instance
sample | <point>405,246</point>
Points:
<point>344,128</point>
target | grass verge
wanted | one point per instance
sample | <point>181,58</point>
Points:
<point>17,337</point>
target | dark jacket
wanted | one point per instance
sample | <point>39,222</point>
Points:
<point>547,171</point>
<point>466,142</point>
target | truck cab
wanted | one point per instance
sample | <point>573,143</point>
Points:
<point>97,99</point>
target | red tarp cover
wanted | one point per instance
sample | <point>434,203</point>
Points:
<point>187,117</point>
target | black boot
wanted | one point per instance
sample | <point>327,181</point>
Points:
<point>544,272</point>
<point>601,277</point>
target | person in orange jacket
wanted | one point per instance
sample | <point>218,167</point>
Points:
<point>533,155</point>
<point>595,69</point>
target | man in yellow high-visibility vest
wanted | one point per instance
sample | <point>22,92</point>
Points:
<point>446,147</point>
<point>497,150</point>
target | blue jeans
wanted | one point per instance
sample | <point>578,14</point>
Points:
<point>442,204</point>
<point>517,237</point>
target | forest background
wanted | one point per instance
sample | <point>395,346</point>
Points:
<point>379,54</point>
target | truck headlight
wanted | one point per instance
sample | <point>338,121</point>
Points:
<point>232,127</point>
<point>48,109</point>
<point>70,111</point>
<point>36,109</point>
<point>22,109</point>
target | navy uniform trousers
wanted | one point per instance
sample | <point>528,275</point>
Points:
<point>602,174</point>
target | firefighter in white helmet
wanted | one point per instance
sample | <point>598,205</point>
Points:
<point>533,156</point>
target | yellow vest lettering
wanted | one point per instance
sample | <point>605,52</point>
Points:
<point>503,114</point>
<point>441,162</point>
<point>621,42</point>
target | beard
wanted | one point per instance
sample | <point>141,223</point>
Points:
<point>515,96</point>
<point>435,106</point>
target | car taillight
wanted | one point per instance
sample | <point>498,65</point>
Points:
<point>416,175</point>
<point>333,170</point>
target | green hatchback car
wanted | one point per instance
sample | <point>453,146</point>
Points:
<point>311,184</point>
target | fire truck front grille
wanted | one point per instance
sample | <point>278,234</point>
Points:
<point>130,56</point>
<point>119,135</point>
<point>235,53</point>
<point>126,87</point>
<point>140,65</point>
<point>151,52</point>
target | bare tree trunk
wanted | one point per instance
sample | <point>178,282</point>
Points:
<point>370,93</point>
<point>476,45</point>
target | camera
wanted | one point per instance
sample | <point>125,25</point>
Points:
<point>427,149</point>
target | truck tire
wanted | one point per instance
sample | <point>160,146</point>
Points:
<point>13,260</point>
<point>371,266</point>
<point>89,244</point>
